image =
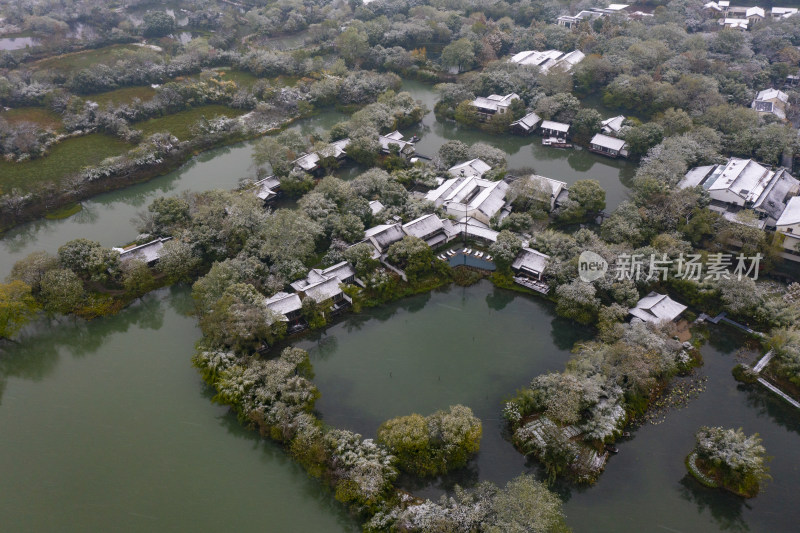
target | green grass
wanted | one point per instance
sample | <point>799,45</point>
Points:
<point>38,115</point>
<point>66,157</point>
<point>180,124</point>
<point>125,95</point>
<point>107,55</point>
<point>64,212</point>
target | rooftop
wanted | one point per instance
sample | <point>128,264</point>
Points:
<point>473,167</point>
<point>531,261</point>
<point>555,126</point>
<point>657,308</point>
<point>790,215</point>
<point>283,303</point>
<point>612,143</point>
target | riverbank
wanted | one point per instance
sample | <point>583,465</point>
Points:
<point>169,161</point>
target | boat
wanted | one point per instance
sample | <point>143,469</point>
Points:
<point>414,139</point>
<point>556,142</point>
<point>612,449</point>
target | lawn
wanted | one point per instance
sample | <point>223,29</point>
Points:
<point>180,124</point>
<point>38,115</point>
<point>125,95</point>
<point>66,157</point>
<point>107,55</point>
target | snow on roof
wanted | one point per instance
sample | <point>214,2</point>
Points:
<point>769,94</point>
<point>384,235</point>
<point>772,201</point>
<point>617,7</point>
<point>376,207</point>
<point>341,271</point>
<point>494,101</point>
<point>265,188</point>
<point>423,226</point>
<point>741,24</point>
<point>284,303</point>
<point>784,12</point>
<point>324,290</point>
<point>473,167</point>
<point>790,215</point>
<point>473,227</point>
<point>531,261</point>
<point>555,126</point>
<point>308,161</point>
<point>528,122</point>
<point>393,138</point>
<point>696,176</point>
<point>744,178</point>
<point>613,124</point>
<point>657,308</point>
<point>754,11</point>
<point>550,58</point>
<point>147,252</point>
<point>612,143</point>
<point>555,185</point>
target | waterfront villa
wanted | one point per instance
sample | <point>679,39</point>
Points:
<point>493,104</point>
<point>745,184</point>
<point>470,196</point>
<point>771,102</point>
<point>473,167</point>
<point>530,264</point>
<point>526,124</point>
<point>657,309</point>
<point>381,237</point>
<point>405,148</point>
<point>267,189</point>
<point>558,189</point>
<point>551,128</point>
<point>429,228</point>
<point>613,125</point>
<point>609,146</point>
<point>149,252</point>
<point>788,227</point>
<point>549,59</point>
<point>287,305</point>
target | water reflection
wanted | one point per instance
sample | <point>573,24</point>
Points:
<point>36,354</point>
<point>725,508</point>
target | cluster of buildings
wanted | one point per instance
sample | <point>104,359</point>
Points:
<point>312,162</point>
<point>549,59</point>
<point>554,133</point>
<point>594,13</point>
<point>742,18</point>
<point>743,184</point>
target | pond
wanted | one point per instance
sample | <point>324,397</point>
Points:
<point>106,425</point>
<point>17,43</point>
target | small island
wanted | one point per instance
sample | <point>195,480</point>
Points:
<point>729,459</point>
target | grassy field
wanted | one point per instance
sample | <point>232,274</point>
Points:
<point>107,55</point>
<point>64,158</point>
<point>180,124</point>
<point>38,115</point>
<point>125,95</point>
